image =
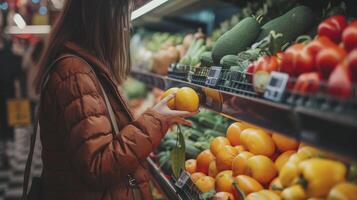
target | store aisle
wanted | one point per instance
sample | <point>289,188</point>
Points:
<point>11,180</point>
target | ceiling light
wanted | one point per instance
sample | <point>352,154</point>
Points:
<point>147,8</point>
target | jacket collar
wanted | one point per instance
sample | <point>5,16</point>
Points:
<point>99,65</point>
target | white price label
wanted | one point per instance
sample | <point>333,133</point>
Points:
<point>184,177</point>
<point>276,86</point>
<point>213,75</point>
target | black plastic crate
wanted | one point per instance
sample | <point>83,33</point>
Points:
<point>321,100</point>
<point>198,75</point>
<point>178,71</point>
<point>236,82</point>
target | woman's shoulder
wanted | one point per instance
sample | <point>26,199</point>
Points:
<point>68,65</point>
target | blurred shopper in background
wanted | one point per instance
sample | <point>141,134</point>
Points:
<point>84,157</point>
<point>30,61</point>
<point>10,70</point>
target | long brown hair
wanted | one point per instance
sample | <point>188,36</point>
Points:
<point>100,26</point>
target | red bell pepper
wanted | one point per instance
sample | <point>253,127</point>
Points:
<point>352,64</point>
<point>349,36</point>
<point>308,82</point>
<point>333,27</point>
<point>297,60</point>
<point>339,84</point>
<point>328,58</point>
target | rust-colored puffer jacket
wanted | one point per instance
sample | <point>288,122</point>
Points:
<point>82,158</point>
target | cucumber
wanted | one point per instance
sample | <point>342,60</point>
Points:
<point>206,59</point>
<point>237,39</point>
<point>295,22</point>
<point>191,151</point>
<point>169,144</point>
<point>229,60</point>
<point>214,133</point>
<point>207,122</point>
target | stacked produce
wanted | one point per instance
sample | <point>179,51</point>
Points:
<point>250,163</point>
<point>205,127</point>
<point>330,57</point>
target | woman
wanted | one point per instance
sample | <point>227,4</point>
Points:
<point>82,157</point>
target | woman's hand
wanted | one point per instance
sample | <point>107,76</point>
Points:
<point>173,116</point>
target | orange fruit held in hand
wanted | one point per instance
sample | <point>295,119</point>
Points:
<point>171,103</point>
<point>218,143</point>
<point>283,158</point>
<point>195,176</point>
<point>190,166</point>
<point>247,185</point>
<point>212,169</point>
<point>261,168</point>
<point>239,163</point>
<point>186,99</point>
<point>257,141</point>
<point>223,196</point>
<point>285,143</point>
<point>233,133</point>
<point>203,160</point>
<point>224,181</point>
<point>225,157</point>
<point>205,183</point>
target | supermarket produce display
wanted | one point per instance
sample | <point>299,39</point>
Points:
<point>276,82</point>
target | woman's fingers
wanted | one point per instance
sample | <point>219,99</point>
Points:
<point>165,100</point>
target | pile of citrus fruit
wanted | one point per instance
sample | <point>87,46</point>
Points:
<point>250,163</point>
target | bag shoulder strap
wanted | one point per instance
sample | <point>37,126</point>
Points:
<point>44,82</point>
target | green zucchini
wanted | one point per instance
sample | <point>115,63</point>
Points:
<point>292,24</point>
<point>240,37</point>
<point>191,151</point>
<point>206,59</point>
<point>229,60</point>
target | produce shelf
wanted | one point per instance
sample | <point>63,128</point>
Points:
<point>329,131</point>
<point>166,186</point>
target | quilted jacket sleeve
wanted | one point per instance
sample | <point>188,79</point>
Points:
<point>100,158</point>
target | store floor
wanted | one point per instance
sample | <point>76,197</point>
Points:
<point>11,180</point>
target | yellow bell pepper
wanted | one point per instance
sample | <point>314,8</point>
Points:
<point>290,172</point>
<point>295,192</point>
<point>343,191</point>
<point>320,175</point>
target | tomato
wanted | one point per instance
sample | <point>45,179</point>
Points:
<point>339,84</point>
<point>283,158</point>
<point>261,168</point>
<point>276,186</point>
<point>315,46</point>
<point>239,162</point>
<point>267,63</point>
<point>247,185</point>
<point>257,142</point>
<point>333,27</point>
<point>328,58</point>
<point>297,60</point>
<point>352,64</point>
<point>349,36</point>
<point>307,82</point>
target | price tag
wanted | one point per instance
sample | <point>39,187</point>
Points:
<point>183,179</point>
<point>18,111</point>
<point>276,86</point>
<point>213,76</point>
